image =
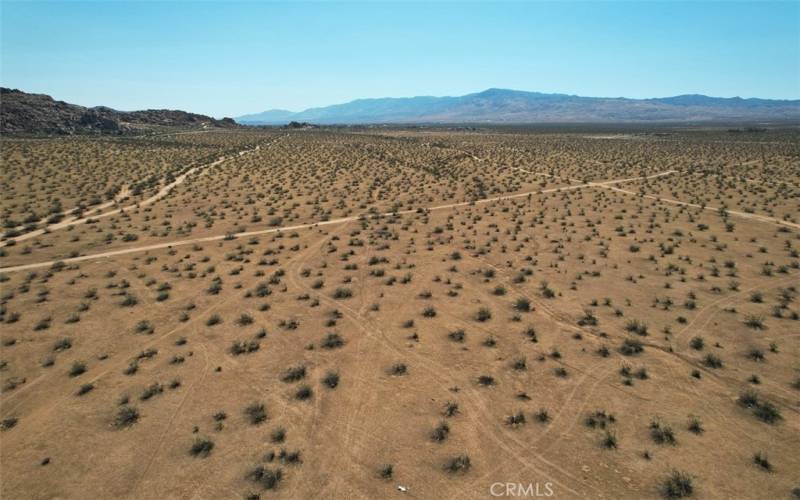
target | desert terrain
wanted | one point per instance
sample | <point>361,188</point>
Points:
<point>378,312</point>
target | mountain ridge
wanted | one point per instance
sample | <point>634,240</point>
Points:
<point>496,105</point>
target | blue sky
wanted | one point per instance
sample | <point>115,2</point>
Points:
<point>227,59</point>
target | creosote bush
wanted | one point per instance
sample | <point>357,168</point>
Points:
<point>677,485</point>
<point>460,463</point>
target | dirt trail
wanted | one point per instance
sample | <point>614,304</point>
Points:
<point>744,215</point>
<point>124,193</point>
<point>341,220</point>
<point>608,185</point>
<point>164,191</point>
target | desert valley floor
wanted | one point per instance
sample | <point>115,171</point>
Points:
<point>401,313</point>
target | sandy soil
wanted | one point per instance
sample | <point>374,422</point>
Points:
<point>421,315</point>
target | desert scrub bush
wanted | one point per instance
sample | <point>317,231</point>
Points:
<point>144,326</point>
<point>762,461</point>
<point>332,341</point>
<point>398,369</point>
<point>85,389</point>
<point>42,324</point>
<point>440,432</point>
<point>153,389</point>
<point>147,354</point>
<point>542,416</point>
<point>268,479</point>
<point>483,314</point>
<point>609,440</point>
<point>631,347</point>
<point>661,433</point>
<point>754,322</point>
<point>62,345</point>
<point>244,320</point>
<point>289,457</point>
<point>342,293</point>
<point>386,471</point>
<point>214,319</point>
<point>695,426</point>
<point>450,409</point>
<point>289,324</point>
<point>486,380</point>
<point>8,423</point>
<point>201,447</point>
<point>599,419</point>
<point>515,420</point>
<point>77,368</point>
<point>239,347</point>
<point>522,305</point>
<point>457,335</point>
<point>303,392</point>
<point>331,380</point>
<point>294,374</point>
<point>215,287</point>
<point>767,412</point>
<point>763,410</point>
<point>755,354</point>
<point>12,384</point>
<point>130,300</point>
<point>126,416</point>
<point>712,361</point>
<point>256,413</point>
<point>677,485</point>
<point>546,291</point>
<point>429,312</point>
<point>697,343</point>
<point>637,327</point>
<point>278,435</point>
<point>748,399</point>
<point>460,463</point>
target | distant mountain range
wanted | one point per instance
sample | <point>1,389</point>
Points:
<point>21,112</point>
<point>514,106</point>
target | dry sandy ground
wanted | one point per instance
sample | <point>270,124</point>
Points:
<point>416,315</point>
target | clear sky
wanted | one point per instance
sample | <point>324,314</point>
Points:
<point>231,58</point>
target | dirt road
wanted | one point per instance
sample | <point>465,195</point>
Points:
<point>165,190</point>
<point>341,220</point>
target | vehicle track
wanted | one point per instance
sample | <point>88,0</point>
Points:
<point>437,370</point>
<point>164,191</point>
<point>342,220</point>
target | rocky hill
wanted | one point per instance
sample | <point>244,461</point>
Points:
<point>21,112</point>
